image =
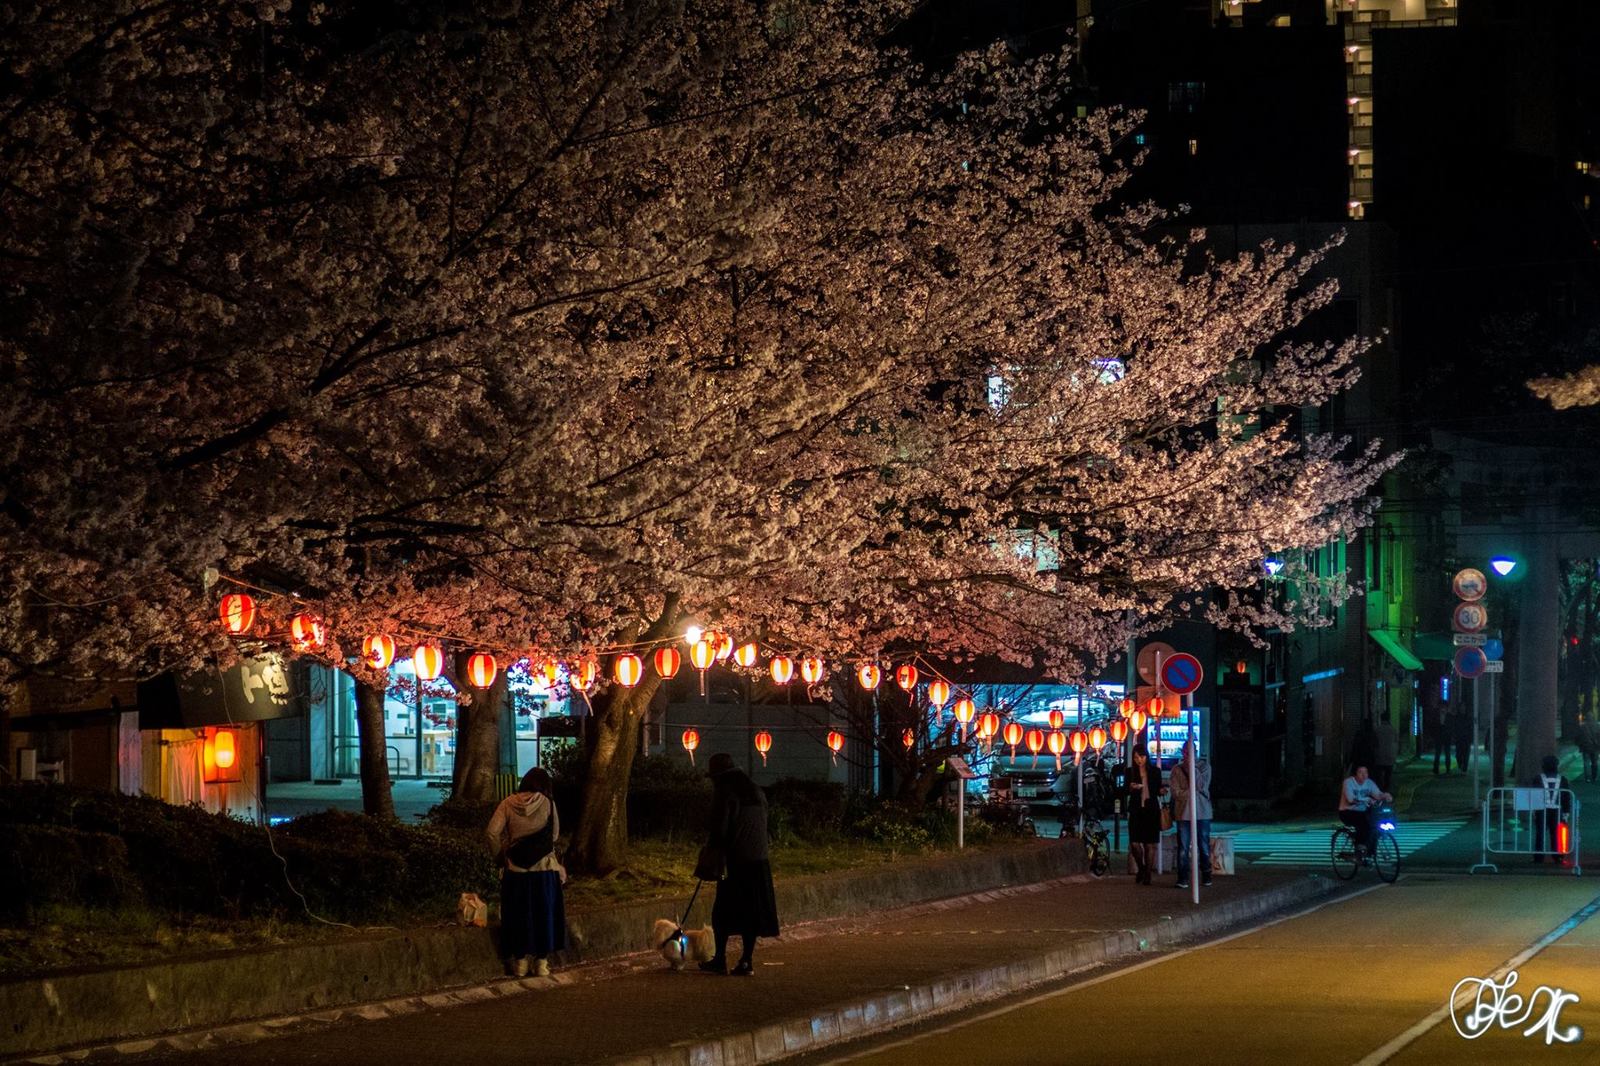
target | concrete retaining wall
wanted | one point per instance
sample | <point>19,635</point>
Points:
<point>100,1006</point>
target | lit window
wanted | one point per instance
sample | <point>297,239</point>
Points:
<point>1194,146</point>
<point>1583,166</point>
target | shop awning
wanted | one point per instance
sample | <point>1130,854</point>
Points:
<point>1392,644</point>
<point>1437,647</point>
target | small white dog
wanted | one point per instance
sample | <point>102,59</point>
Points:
<point>679,946</point>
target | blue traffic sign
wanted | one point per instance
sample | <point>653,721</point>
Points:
<point>1494,650</point>
<point>1181,673</point>
<point>1470,662</point>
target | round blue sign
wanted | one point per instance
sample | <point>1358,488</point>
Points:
<point>1181,673</point>
<point>1470,662</point>
<point>1494,650</point>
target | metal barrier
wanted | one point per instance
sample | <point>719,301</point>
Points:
<point>1516,821</point>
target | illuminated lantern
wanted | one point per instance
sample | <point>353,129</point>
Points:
<point>582,674</point>
<point>745,656</point>
<point>1119,731</point>
<point>724,646</point>
<point>1036,743</point>
<point>692,635</point>
<point>905,675</point>
<point>1155,708</point>
<point>378,652</point>
<point>481,669</point>
<point>427,662</point>
<point>988,726</point>
<point>1013,736</point>
<point>763,745</point>
<point>551,670</point>
<point>667,662</point>
<point>1127,707</point>
<point>869,675</point>
<point>219,757</point>
<point>1079,742</point>
<point>964,710</point>
<point>307,633</point>
<point>835,743</point>
<point>1097,738</point>
<point>781,668</point>
<point>691,741</point>
<point>1136,721</point>
<point>702,654</point>
<point>938,692</point>
<point>1241,667</point>
<point>1058,718</point>
<point>909,738</point>
<point>238,612</point>
<point>812,670</point>
<point>1058,744</point>
<point>627,669</point>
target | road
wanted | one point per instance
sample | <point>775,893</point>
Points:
<point>1360,980</point>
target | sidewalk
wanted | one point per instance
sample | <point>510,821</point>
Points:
<point>820,983</point>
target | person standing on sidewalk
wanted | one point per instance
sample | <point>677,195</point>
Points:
<point>1200,795</point>
<point>1461,734</point>
<point>1144,812</point>
<point>523,832</point>
<point>1434,728</point>
<point>1589,745</point>
<point>1386,751</point>
<point>746,903</point>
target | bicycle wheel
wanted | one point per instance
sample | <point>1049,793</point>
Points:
<point>1386,857</point>
<point>1099,854</point>
<point>1343,850</point>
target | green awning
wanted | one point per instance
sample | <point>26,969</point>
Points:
<point>1437,647</point>
<point>1391,643</point>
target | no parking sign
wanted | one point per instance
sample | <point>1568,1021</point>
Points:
<point>1181,673</point>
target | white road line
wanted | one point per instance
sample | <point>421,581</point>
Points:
<point>927,1034</point>
<point>1426,1025</point>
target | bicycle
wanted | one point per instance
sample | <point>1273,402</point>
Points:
<point>1384,857</point>
<point>1096,845</point>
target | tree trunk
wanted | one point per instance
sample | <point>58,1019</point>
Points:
<point>599,843</point>
<point>377,799</point>
<point>1539,636</point>
<point>477,736</point>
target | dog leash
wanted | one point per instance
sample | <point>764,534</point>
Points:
<point>690,907</point>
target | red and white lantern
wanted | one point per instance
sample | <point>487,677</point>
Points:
<point>427,662</point>
<point>377,651</point>
<point>812,670</point>
<point>763,745</point>
<point>869,675</point>
<point>905,675</point>
<point>667,661</point>
<point>238,612</point>
<point>627,669</point>
<point>691,741</point>
<point>307,633</point>
<point>781,668</point>
<point>482,669</point>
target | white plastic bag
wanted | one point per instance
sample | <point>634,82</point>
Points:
<point>471,910</point>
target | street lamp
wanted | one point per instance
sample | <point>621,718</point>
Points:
<point>1503,565</point>
<point>1272,564</point>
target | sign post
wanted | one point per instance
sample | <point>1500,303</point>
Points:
<point>1180,674</point>
<point>963,774</point>
<point>1468,620</point>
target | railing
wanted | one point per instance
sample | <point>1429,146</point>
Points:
<point>1516,821</point>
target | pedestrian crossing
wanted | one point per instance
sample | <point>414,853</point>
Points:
<point>1308,845</point>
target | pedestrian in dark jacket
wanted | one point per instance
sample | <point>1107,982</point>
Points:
<point>1556,808</point>
<point>746,904</point>
<point>1461,734</point>
<point>1144,812</point>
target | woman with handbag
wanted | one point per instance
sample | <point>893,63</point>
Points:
<point>736,852</point>
<point>1144,812</point>
<point>523,833</point>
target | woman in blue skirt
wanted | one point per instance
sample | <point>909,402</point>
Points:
<point>523,833</point>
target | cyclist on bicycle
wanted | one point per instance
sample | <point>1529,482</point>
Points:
<point>1360,800</point>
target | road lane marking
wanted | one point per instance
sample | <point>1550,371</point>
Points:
<point>1438,1017</point>
<point>928,1034</point>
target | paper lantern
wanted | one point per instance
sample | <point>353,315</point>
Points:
<point>1127,707</point>
<point>1078,741</point>
<point>307,633</point>
<point>627,669</point>
<point>1136,721</point>
<point>988,726</point>
<point>1035,740</point>
<point>667,661</point>
<point>745,655</point>
<point>781,668</point>
<point>219,757</point>
<point>812,670</point>
<point>238,612</point>
<point>938,692</point>
<point>583,673</point>
<point>835,744</point>
<point>481,669</point>
<point>869,675</point>
<point>1013,736</point>
<point>691,741</point>
<point>1057,741</point>
<point>427,662</point>
<point>1119,731</point>
<point>763,745</point>
<point>551,671</point>
<point>905,675</point>
<point>909,738</point>
<point>1097,738</point>
<point>378,651</point>
<point>964,710</point>
<point>702,654</point>
<point>1155,708</point>
<point>1058,718</point>
<point>724,646</point>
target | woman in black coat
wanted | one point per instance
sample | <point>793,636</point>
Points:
<point>745,903</point>
<point>1144,812</point>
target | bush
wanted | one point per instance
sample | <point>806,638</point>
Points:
<point>805,809</point>
<point>44,865</point>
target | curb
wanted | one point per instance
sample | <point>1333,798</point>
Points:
<point>903,1006</point>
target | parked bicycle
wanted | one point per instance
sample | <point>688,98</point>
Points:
<point>1384,856</point>
<point>1096,845</point>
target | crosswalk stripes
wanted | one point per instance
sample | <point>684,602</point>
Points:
<point>1309,846</point>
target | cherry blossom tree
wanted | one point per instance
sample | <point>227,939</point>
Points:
<point>551,327</point>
